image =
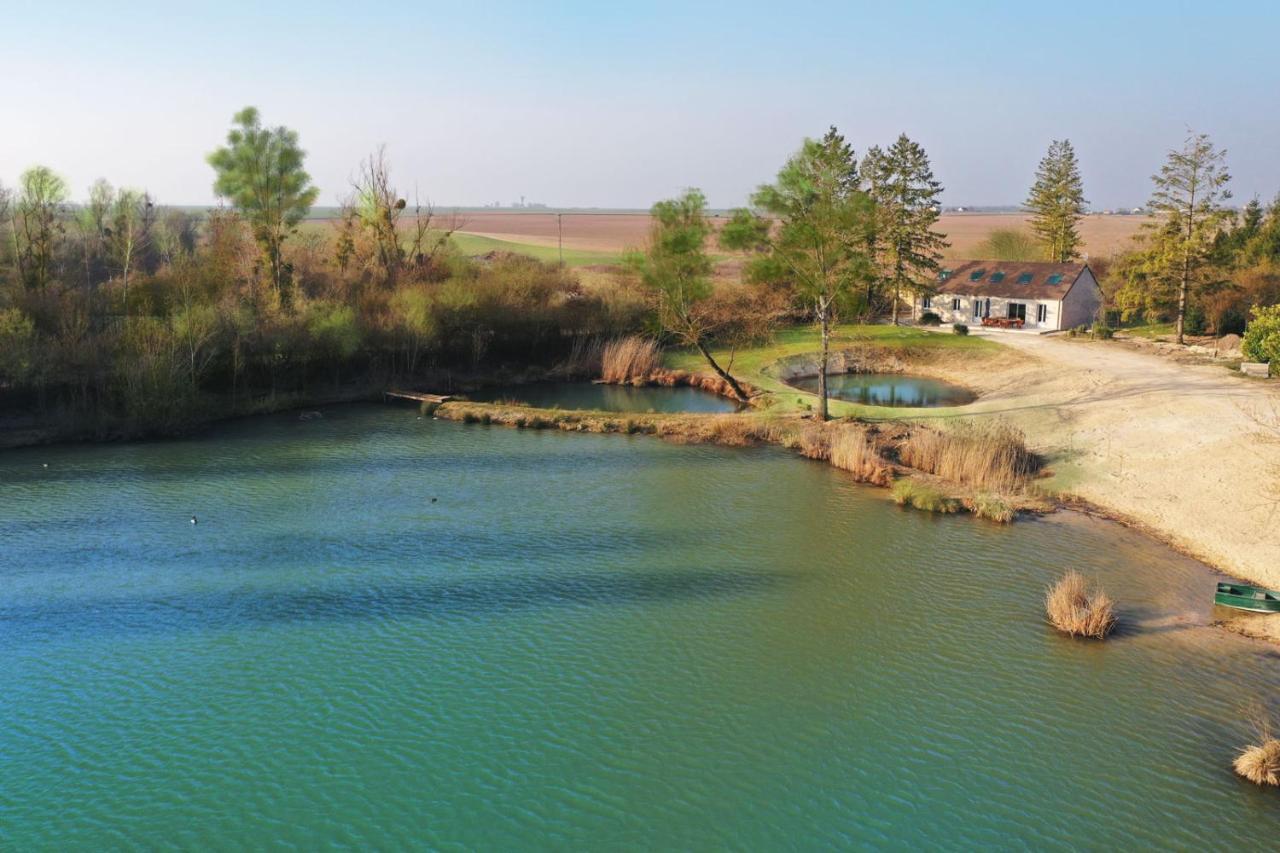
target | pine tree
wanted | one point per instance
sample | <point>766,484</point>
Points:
<point>1188,197</point>
<point>260,171</point>
<point>812,237</point>
<point>1057,202</point>
<point>901,183</point>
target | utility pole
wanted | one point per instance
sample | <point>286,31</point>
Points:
<point>560,235</point>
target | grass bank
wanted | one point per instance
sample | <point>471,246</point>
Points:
<point>893,349</point>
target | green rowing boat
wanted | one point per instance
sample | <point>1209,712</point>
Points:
<point>1245,597</point>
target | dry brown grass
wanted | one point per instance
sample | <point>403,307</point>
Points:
<point>1260,762</point>
<point>1076,609</point>
<point>990,456</point>
<point>855,451</point>
<point>629,359</point>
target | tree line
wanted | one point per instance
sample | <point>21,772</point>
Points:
<point>119,314</point>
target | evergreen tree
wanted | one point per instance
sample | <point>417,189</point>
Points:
<point>908,250</point>
<point>1188,197</point>
<point>260,172</point>
<point>1057,202</point>
<point>813,236</point>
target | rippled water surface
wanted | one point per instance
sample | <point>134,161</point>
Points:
<point>608,398</point>
<point>889,389</point>
<point>392,632</point>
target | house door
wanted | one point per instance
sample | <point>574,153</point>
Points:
<point>1018,311</point>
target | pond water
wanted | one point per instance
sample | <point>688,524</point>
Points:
<point>395,632</point>
<point>607,398</point>
<point>888,389</point>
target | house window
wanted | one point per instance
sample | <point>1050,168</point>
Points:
<point>1017,311</point>
<point>955,304</point>
<point>977,308</point>
<point>1042,313</point>
<point>928,302</point>
<point>1026,277</point>
<point>997,277</point>
<point>977,275</point>
<point>1054,279</point>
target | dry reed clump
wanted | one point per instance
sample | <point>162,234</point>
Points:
<point>988,456</point>
<point>629,359</point>
<point>923,497</point>
<point>1076,609</point>
<point>853,450</point>
<point>1260,762</point>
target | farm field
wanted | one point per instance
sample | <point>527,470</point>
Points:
<point>612,233</point>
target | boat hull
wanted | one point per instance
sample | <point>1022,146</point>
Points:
<point>1252,598</point>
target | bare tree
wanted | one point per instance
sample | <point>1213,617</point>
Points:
<point>132,216</point>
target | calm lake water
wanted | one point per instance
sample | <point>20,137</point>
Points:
<point>608,398</point>
<point>591,642</point>
<point>889,389</point>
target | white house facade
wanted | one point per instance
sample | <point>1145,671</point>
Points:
<point>1046,297</point>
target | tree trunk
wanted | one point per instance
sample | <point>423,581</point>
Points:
<point>722,373</point>
<point>824,320</point>
<point>897,297</point>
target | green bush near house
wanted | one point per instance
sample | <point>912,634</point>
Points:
<point>1262,335</point>
<point>960,329</point>
<point>929,318</point>
<point>1103,332</point>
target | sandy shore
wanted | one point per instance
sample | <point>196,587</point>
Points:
<point>1190,452</point>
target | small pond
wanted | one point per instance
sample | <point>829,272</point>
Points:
<point>607,398</point>
<point>888,389</point>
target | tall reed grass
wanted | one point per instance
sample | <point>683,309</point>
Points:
<point>1076,609</point>
<point>1260,762</point>
<point>991,456</point>
<point>853,450</point>
<point>629,359</point>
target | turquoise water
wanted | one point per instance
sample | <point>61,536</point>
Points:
<point>608,398</point>
<point>590,642</point>
<point>889,389</point>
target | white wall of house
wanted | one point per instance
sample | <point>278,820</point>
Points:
<point>958,308</point>
<point>1080,305</point>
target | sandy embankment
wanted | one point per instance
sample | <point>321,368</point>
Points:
<point>1190,452</point>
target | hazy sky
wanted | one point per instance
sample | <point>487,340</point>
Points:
<point>616,104</point>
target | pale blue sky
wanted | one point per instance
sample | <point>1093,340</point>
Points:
<point>618,104</point>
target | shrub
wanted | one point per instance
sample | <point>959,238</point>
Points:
<point>1103,332</point>
<point>992,507</point>
<point>920,496</point>
<point>1010,244</point>
<point>1076,609</point>
<point>929,318</point>
<point>1194,323</point>
<point>1262,335</point>
<point>989,456</point>
<point>960,329</point>
<point>629,359</point>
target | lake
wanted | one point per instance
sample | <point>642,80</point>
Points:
<point>392,632</point>
<point>607,398</point>
<point>888,389</point>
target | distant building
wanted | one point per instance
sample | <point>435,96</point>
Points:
<point>1031,294</point>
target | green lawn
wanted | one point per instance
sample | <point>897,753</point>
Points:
<point>756,365</point>
<point>476,244</point>
<point>1152,330</point>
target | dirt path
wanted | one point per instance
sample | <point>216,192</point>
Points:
<point>1185,450</point>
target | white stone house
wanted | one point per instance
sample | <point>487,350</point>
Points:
<point>1046,297</point>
